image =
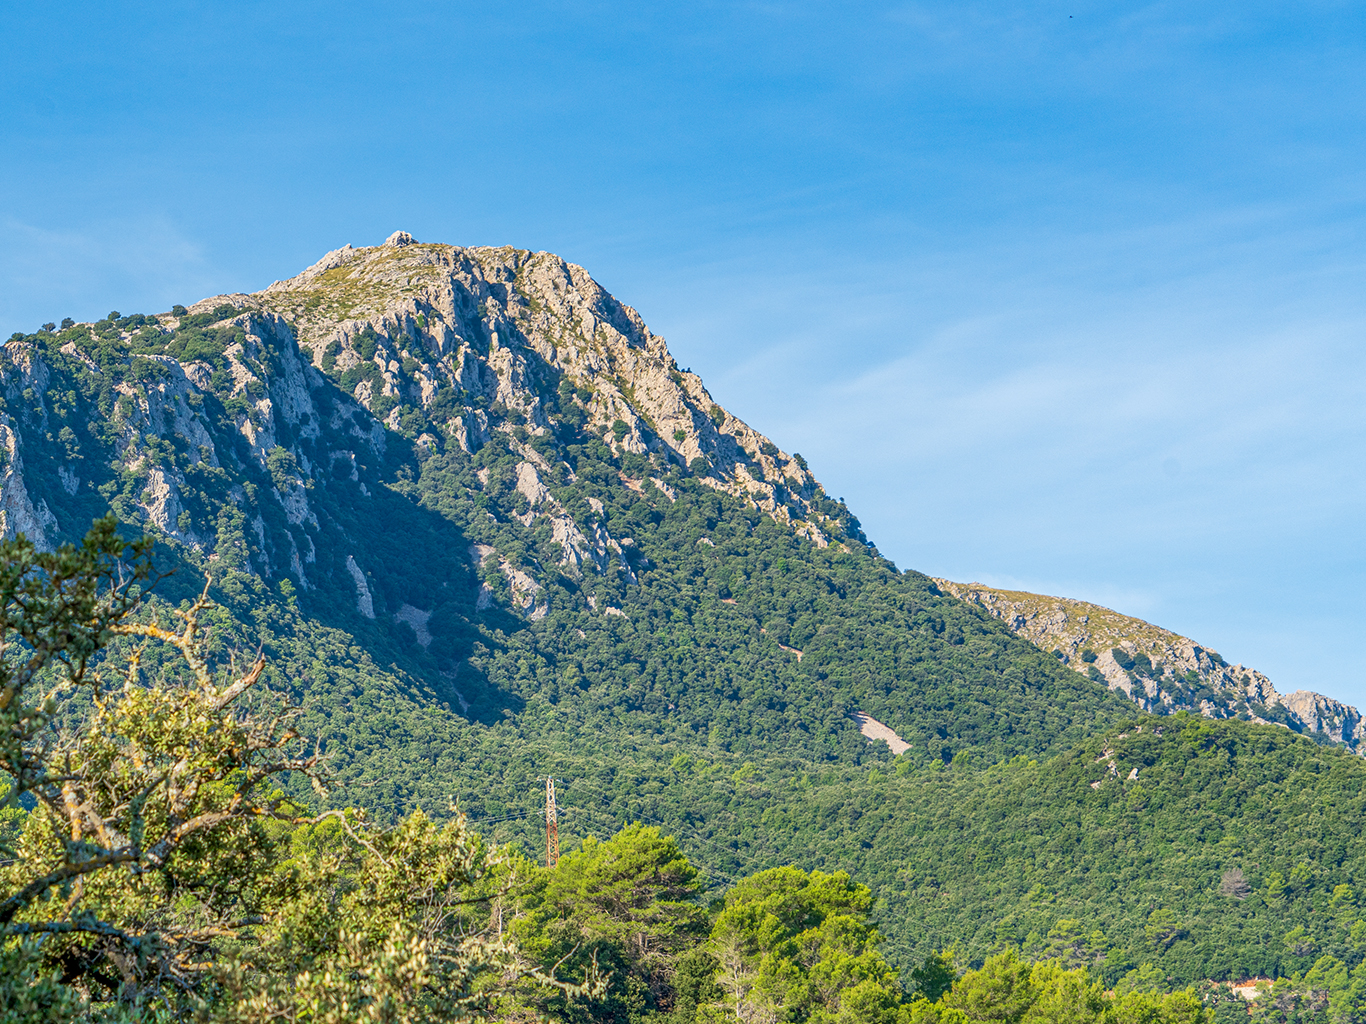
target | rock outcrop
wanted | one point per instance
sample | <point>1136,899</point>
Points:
<point>446,346</point>
<point>19,513</point>
<point>1157,669</point>
<point>479,334</point>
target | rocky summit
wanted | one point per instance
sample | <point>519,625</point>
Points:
<point>1157,669</point>
<point>467,331</point>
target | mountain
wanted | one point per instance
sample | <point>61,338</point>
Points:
<point>1157,669</point>
<point>470,503</point>
<point>485,530</point>
<point>495,478</point>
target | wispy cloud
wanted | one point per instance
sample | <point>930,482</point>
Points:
<point>132,265</point>
<point>1161,417</point>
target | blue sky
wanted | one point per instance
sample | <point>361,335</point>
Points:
<point>1061,296</point>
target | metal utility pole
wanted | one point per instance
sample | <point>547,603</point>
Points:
<point>552,826</point>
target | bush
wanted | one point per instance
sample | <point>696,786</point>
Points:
<point>367,344</point>
<point>159,826</point>
<point>283,467</point>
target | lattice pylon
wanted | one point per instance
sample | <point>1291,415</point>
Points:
<point>552,826</point>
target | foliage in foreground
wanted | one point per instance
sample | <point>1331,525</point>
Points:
<point>785,945</point>
<point>149,862</point>
<point>1008,990</point>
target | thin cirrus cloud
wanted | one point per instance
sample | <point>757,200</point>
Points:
<point>1202,498</point>
<point>52,273</point>
<point>1161,418</point>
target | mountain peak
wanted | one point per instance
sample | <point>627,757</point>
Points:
<point>483,331</point>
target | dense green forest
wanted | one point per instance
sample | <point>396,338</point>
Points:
<point>697,674</point>
<point>243,905</point>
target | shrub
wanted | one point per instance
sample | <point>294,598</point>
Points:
<point>158,825</point>
<point>283,467</point>
<point>367,343</point>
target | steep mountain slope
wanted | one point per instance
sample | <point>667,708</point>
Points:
<point>442,310</point>
<point>556,520</point>
<point>486,530</point>
<point>1158,669</point>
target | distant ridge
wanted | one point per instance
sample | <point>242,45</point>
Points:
<point>1157,669</point>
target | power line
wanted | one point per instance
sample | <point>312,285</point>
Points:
<point>499,819</point>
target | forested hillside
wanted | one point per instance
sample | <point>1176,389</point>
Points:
<point>485,530</point>
<point>632,600</point>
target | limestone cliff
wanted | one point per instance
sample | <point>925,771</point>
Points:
<point>475,335</point>
<point>1157,669</point>
<point>19,513</point>
<point>219,421</point>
